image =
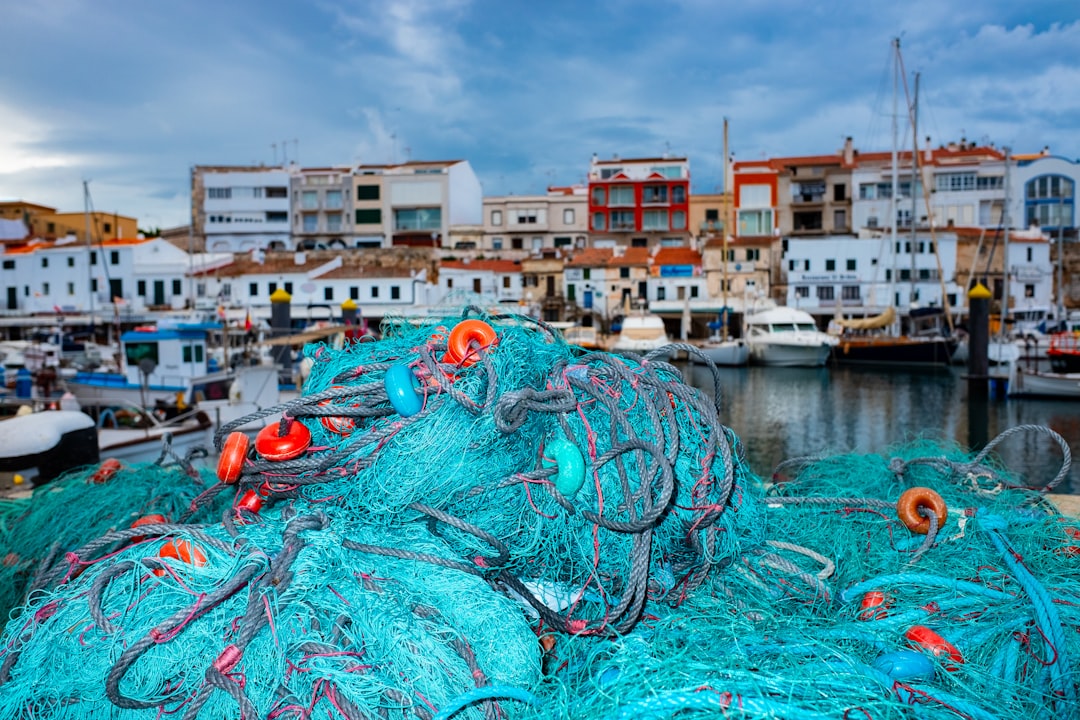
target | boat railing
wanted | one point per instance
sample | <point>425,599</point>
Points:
<point>119,407</point>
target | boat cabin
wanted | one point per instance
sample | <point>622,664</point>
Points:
<point>165,357</point>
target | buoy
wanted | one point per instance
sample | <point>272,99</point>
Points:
<point>274,446</point>
<point>563,454</point>
<point>336,423</point>
<point>916,498</point>
<point>108,468</point>
<point>904,665</point>
<point>250,501</point>
<point>146,520</point>
<point>873,605</point>
<point>182,550</point>
<point>233,453</point>
<point>402,390</point>
<point>465,333</point>
<point>924,637</point>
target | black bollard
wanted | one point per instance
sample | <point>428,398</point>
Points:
<point>280,326</point>
<point>978,366</point>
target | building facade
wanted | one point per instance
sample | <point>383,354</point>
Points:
<point>639,203</point>
<point>239,209</point>
<point>533,223</point>
<point>321,211</point>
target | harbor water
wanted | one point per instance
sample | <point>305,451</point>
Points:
<point>783,413</point>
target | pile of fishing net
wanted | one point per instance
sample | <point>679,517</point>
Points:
<point>472,518</point>
<point>37,530</point>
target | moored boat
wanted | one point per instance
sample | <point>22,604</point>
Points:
<point>1026,382</point>
<point>786,337</point>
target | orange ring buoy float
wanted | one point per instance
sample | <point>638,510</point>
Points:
<point>108,468</point>
<point>463,335</point>
<point>914,499</point>
<point>182,550</point>
<point>146,520</point>
<point>233,454</point>
<point>250,501</point>
<point>338,424</point>
<point>278,448</point>
<point>940,647</point>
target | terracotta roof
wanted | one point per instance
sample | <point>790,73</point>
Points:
<point>498,266</point>
<point>285,264</point>
<point>743,241</point>
<point>677,256</point>
<point>605,257</point>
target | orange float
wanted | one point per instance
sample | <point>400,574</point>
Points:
<point>108,468</point>
<point>147,520</point>
<point>914,499</point>
<point>466,332</point>
<point>182,550</point>
<point>233,453</point>
<point>927,639</point>
<point>272,445</point>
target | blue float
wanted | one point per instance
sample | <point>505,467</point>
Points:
<point>401,389</point>
<point>564,455</point>
<point>905,665</point>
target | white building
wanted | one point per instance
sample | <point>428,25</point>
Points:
<point>493,280</point>
<point>558,219</point>
<point>135,273</point>
<point>1042,192</point>
<point>238,209</point>
<point>867,275</point>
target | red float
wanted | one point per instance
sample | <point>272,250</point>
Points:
<point>272,445</point>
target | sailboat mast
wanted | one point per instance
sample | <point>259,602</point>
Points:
<point>1005,221</point>
<point>724,242</point>
<point>89,250</point>
<point>914,178</point>
<point>895,176</point>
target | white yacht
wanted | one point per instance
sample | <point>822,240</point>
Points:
<point>787,337</point>
<point>641,332</point>
<point>730,352</point>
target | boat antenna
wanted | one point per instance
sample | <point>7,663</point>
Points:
<point>895,171</point>
<point>724,242</point>
<point>89,251</point>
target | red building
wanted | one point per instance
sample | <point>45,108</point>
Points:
<point>641,202</point>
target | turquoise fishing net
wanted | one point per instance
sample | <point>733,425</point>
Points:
<point>36,531</point>
<point>430,566</point>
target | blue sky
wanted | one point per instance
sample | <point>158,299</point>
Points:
<point>129,94</point>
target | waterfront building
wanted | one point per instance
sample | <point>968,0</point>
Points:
<point>601,281</point>
<point>639,202</point>
<point>542,285</point>
<point>45,223</point>
<point>497,281</point>
<point>748,270</point>
<point>1043,193</point>
<point>558,219</point>
<point>379,282</point>
<point>414,204</point>
<point>132,274</point>
<point>707,216</point>
<point>321,208</point>
<point>240,208</point>
<point>864,276</point>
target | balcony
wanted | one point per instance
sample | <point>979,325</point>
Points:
<point>712,226</point>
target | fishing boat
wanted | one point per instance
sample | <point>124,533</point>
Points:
<point>1064,352</point>
<point>732,352</point>
<point>641,332</point>
<point>786,337</point>
<point>1028,382</point>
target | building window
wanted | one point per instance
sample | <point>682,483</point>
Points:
<point>374,291</point>
<point>639,242</point>
<point>586,274</point>
<point>476,287</point>
<point>395,292</point>
<point>621,195</point>
<point>599,222</point>
<point>114,257</point>
<point>288,288</point>
<point>177,287</point>
<point>309,199</point>
<point>624,272</point>
<point>598,196</point>
<point>277,216</point>
<point>140,288</point>
<point>1029,291</point>
<point>496,217</point>
<point>839,217</point>
<point>71,262</point>
<point>651,194</point>
<point>71,288</point>
<point>9,264</point>
<point>517,243</point>
<point>496,243</point>
<point>654,220</point>
<point>661,293</point>
<point>712,215</point>
<point>849,292</point>
<point>328,293</point>
<point>367,192</point>
<point>418,219</point>
<point>253,289</point>
<point>678,194</point>
<point>449,283</point>
<point>218,193</point>
<point>825,292</point>
<point>678,220</point>
<point>753,254</point>
<point>622,219</point>
<point>506,281</point>
<point>311,222</point>
<point>563,241</point>
<point>93,257</point>
<point>44,288</point>
<point>354,292</point>
<point>277,192</point>
<point>851,264</point>
<point>93,286</point>
<point>44,262</point>
<point>568,216</point>
<point>526,217</point>
<point>830,265</point>
<point>333,199</point>
<point>371,216</point>
<point>755,222</point>
<point>333,222</point>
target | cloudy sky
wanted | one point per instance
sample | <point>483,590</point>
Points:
<point>129,94</point>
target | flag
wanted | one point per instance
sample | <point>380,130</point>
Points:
<point>247,322</point>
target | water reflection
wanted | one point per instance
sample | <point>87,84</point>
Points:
<point>782,413</point>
